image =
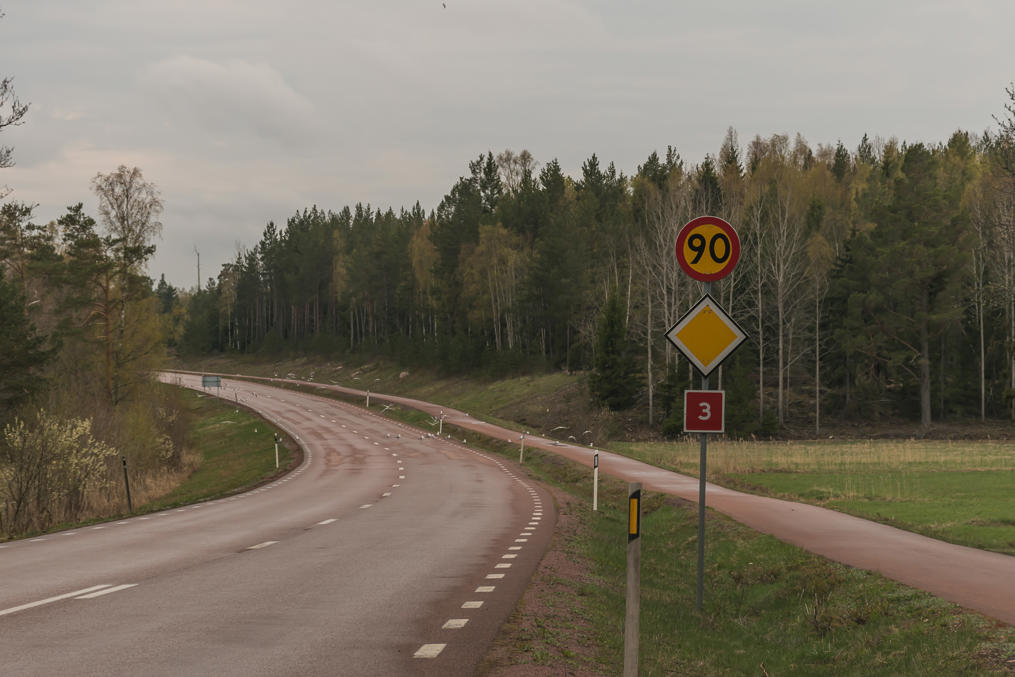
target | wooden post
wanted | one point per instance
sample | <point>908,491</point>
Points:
<point>633,580</point>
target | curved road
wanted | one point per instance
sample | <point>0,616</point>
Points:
<point>976,579</point>
<point>382,554</point>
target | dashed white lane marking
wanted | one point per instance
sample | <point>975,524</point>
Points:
<point>502,565</point>
<point>327,521</point>
<point>510,556</point>
<point>472,604</point>
<point>521,540</point>
<point>386,493</point>
<point>120,524</point>
<point>262,545</point>
<point>100,593</point>
<point>37,540</point>
<point>49,600</point>
<point>94,528</point>
<point>455,623</point>
<point>515,547</point>
<point>494,576</point>
<point>401,477</point>
<point>486,588</point>
<point>396,485</point>
<point>365,506</point>
<point>429,651</point>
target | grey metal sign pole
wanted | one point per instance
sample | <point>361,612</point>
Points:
<point>702,463</point>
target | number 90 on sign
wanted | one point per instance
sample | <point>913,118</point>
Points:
<point>708,248</point>
<point>704,411</point>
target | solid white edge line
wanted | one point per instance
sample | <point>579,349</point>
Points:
<point>48,600</point>
<point>100,593</point>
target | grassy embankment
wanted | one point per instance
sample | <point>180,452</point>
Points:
<point>770,608</point>
<point>232,450</point>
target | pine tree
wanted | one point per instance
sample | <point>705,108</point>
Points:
<point>22,350</point>
<point>617,377</point>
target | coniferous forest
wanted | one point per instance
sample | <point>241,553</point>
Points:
<point>875,283</point>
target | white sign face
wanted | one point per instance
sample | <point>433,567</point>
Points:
<point>706,335</point>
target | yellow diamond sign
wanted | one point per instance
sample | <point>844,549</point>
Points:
<point>706,335</point>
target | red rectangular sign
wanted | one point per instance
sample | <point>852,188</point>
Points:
<point>704,411</point>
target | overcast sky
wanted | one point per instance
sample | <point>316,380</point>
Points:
<point>243,111</point>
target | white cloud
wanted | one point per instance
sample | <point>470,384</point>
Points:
<point>232,97</point>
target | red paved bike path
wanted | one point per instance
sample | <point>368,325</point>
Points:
<point>976,579</point>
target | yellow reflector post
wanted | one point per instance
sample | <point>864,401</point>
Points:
<point>634,515</point>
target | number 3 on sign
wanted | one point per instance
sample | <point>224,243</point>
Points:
<point>704,411</point>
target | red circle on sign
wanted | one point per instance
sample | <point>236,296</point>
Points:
<point>708,248</point>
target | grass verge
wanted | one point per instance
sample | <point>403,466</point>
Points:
<point>770,608</point>
<point>233,450</point>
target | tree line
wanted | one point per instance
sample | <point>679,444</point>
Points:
<point>80,343</point>
<point>878,283</point>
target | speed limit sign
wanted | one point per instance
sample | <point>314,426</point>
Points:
<point>708,248</point>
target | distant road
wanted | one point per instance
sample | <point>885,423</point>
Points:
<point>382,554</point>
<point>976,579</point>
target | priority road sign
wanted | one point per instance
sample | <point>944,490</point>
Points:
<point>706,335</point>
<point>704,411</point>
<point>708,248</point>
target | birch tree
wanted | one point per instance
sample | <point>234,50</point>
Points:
<point>129,208</point>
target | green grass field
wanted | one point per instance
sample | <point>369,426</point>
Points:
<point>958,491</point>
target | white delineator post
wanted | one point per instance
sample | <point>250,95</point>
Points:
<point>595,482</point>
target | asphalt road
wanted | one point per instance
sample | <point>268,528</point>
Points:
<point>382,554</point>
<point>976,579</point>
